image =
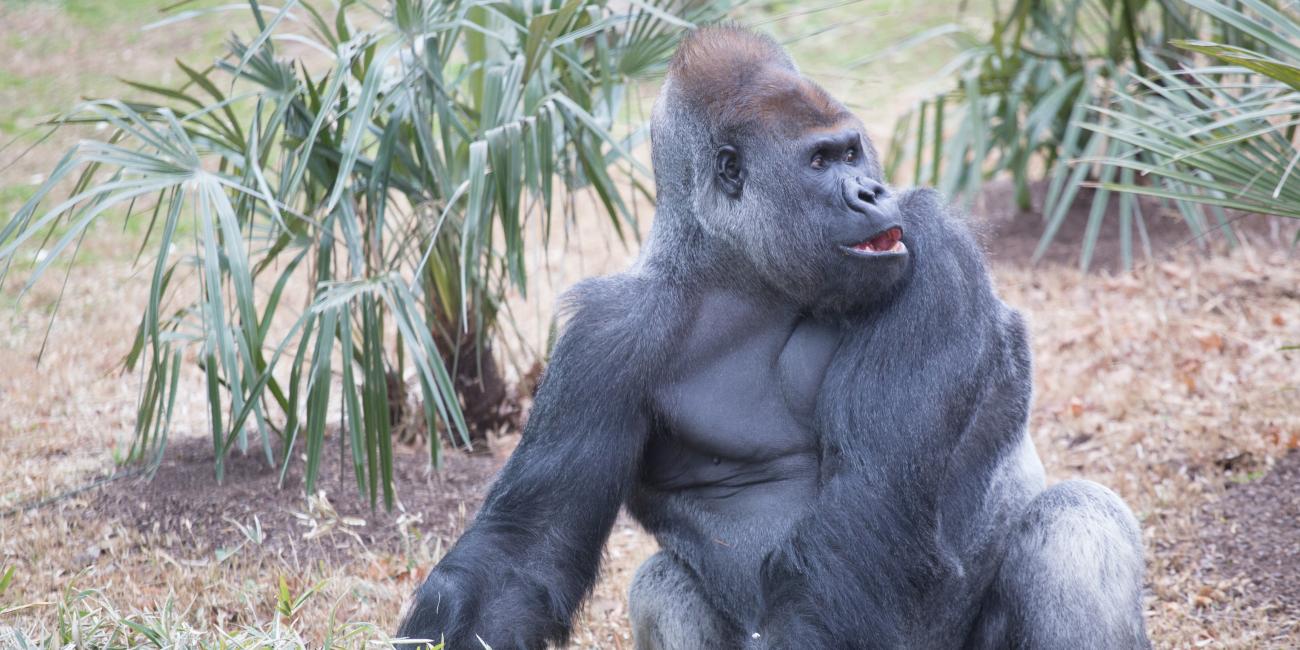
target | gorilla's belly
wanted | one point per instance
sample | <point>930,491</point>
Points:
<point>734,462</point>
<point>724,540</point>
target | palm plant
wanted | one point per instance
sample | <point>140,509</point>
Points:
<point>1021,94</point>
<point>389,170</point>
<point>1221,133</point>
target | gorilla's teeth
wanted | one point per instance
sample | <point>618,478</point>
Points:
<point>889,242</point>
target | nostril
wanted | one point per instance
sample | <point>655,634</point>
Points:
<point>869,191</point>
<point>862,193</point>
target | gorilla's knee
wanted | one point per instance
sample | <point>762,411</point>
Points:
<point>1072,576</point>
<point>667,610</point>
<point>651,590</point>
<point>1087,509</point>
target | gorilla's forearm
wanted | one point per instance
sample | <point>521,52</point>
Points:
<point>875,532</point>
<point>843,576</point>
<point>516,578</point>
<point>858,566</point>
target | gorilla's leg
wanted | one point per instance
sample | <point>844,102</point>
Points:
<point>1071,578</point>
<point>668,612</point>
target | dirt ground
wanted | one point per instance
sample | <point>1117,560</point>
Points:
<point>1167,384</point>
<point>1250,534</point>
<point>179,509</point>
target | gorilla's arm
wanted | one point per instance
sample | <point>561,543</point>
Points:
<point>517,576</point>
<point>943,367</point>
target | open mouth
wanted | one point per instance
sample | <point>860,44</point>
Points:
<point>889,241</point>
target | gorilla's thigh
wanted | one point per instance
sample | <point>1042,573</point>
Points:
<point>1071,578</point>
<point>668,611</point>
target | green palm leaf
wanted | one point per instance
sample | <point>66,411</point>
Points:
<point>391,181</point>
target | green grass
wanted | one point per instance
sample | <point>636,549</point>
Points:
<point>96,13</point>
<point>1248,477</point>
<point>88,619</point>
<point>18,117</point>
<point>13,196</point>
<point>91,12</point>
<point>28,99</point>
<point>96,25</point>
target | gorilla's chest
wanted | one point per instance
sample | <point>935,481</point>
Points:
<point>744,387</point>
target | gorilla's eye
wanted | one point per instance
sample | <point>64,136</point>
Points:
<point>851,154</point>
<point>818,161</point>
<point>731,174</point>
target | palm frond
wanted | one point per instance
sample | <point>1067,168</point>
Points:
<point>1020,92</point>
<point>388,177</point>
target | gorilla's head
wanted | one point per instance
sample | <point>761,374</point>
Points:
<point>773,172</point>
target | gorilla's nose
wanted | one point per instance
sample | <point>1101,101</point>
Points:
<point>863,194</point>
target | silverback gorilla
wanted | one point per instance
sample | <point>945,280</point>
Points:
<point>808,392</point>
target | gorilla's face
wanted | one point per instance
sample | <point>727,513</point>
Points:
<point>817,222</point>
<point>780,174</point>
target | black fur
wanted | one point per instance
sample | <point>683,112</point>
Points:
<point>826,437</point>
<point>924,396</point>
<point>516,578</point>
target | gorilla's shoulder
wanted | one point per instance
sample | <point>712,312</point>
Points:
<point>623,297</point>
<point>918,200</point>
<point>927,208</point>
<point>632,318</point>
<point>934,220</point>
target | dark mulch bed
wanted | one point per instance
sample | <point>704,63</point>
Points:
<point>185,512</point>
<point>1011,236</point>
<point>1253,532</point>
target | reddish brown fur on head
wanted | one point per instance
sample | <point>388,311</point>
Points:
<point>740,80</point>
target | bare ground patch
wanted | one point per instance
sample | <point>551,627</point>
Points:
<point>184,512</point>
<point>1011,235</point>
<point>1252,535</point>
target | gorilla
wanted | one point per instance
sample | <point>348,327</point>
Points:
<point>807,390</point>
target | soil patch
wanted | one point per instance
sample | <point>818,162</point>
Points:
<point>1011,235</point>
<point>186,513</point>
<point>1253,532</point>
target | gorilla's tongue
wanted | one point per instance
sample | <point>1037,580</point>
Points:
<point>885,242</point>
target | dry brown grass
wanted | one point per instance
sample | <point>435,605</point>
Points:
<point>1148,382</point>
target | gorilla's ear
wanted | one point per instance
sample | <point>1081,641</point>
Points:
<point>731,175</point>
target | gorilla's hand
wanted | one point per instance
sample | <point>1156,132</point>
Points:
<point>441,609</point>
